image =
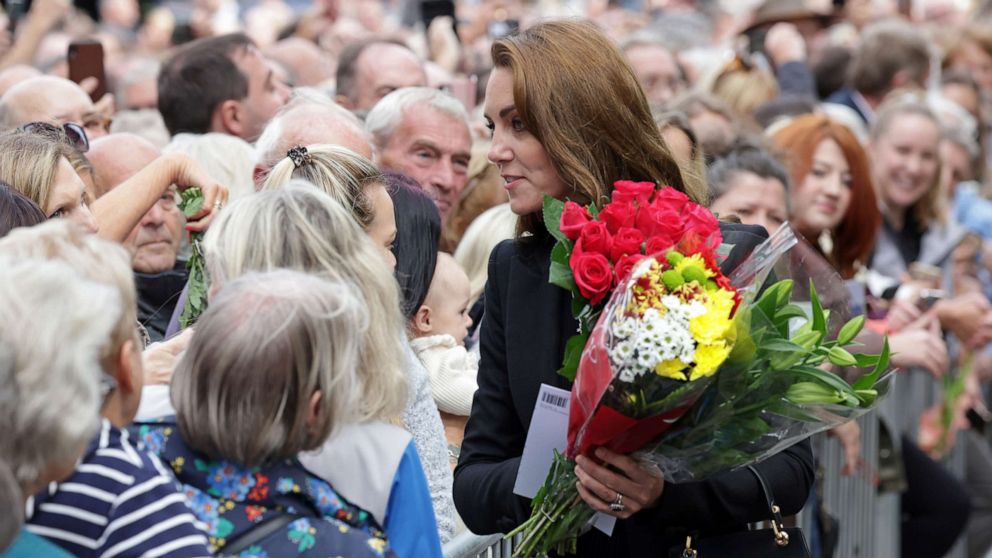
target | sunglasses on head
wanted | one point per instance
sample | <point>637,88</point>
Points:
<point>70,133</point>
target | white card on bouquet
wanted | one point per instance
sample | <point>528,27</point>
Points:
<point>548,431</point>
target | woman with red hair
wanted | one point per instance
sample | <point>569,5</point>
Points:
<point>833,201</point>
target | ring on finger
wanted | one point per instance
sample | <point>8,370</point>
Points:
<point>617,505</point>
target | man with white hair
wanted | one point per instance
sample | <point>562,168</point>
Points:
<point>54,100</point>
<point>310,118</point>
<point>424,133</point>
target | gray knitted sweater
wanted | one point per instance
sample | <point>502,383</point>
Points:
<point>424,423</point>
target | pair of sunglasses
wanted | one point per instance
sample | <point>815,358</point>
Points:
<point>70,133</point>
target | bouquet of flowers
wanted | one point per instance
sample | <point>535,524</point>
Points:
<point>682,364</point>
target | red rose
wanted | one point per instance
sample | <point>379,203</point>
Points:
<point>699,221</point>
<point>659,224</point>
<point>626,241</point>
<point>658,245</point>
<point>617,215</point>
<point>592,273</point>
<point>671,198</point>
<point>596,238</point>
<point>573,218</point>
<point>626,191</point>
<point>625,265</point>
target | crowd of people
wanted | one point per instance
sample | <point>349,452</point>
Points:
<point>379,319</point>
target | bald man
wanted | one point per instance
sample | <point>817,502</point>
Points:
<point>154,242</point>
<point>309,119</point>
<point>51,99</point>
<point>15,74</point>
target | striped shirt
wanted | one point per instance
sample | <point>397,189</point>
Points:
<point>120,502</point>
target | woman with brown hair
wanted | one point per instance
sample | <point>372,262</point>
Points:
<point>833,202</point>
<point>568,119</point>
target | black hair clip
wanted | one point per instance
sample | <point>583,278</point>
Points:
<point>299,155</point>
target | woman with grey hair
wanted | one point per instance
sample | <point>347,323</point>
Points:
<point>131,506</point>
<point>373,462</point>
<point>53,328</point>
<point>270,373</point>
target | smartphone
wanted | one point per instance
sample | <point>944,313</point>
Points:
<point>86,61</point>
<point>430,9</point>
<point>929,297</point>
<point>502,27</point>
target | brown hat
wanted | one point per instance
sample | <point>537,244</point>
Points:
<point>774,11</point>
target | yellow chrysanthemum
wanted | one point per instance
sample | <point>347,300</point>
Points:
<point>671,369</point>
<point>715,324</point>
<point>709,357</point>
<point>695,261</point>
<point>378,545</point>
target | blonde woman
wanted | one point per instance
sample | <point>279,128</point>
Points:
<point>372,462</point>
<point>352,180</point>
<point>40,168</point>
<point>357,185</point>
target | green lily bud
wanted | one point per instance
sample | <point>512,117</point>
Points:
<point>813,393</point>
<point>841,357</point>
<point>807,339</point>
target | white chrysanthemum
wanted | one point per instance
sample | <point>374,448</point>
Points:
<point>647,360</point>
<point>627,375</point>
<point>622,351</point>
<point>624,328</point>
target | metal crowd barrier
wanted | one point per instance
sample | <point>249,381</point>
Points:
<point>869,520</point>
<point>470,545</point>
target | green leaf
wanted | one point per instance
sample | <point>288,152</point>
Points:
<point>573,355</point>
<point>868,380</point>
<point>768,303</point>
<point>851,330</point>
<point>826,378</point>
<point>553,209</point>
<point>790,311</point>
<point>561,273</point>
<point>819,319</point>
<point>781,345</point>
<point>191,201</point>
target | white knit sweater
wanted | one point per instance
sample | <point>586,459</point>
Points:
<point>453,372</point>
<point>424,423</point>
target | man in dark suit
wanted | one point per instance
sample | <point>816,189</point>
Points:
<point>893,55</point>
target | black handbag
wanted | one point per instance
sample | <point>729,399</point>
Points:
<point>777,542</point>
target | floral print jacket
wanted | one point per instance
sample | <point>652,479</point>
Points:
<point>230,500</point>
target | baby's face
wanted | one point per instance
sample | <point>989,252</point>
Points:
<point>448,299</point>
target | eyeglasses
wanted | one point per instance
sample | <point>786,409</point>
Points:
<point>70,133</point>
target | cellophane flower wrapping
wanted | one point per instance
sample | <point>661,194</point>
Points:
<point>696,371</point>
<point>773,390</point>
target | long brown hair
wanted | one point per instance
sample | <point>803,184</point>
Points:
<point>578,96</point>
<point>854,237</point>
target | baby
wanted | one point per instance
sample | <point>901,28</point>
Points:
<point>438,329</point>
